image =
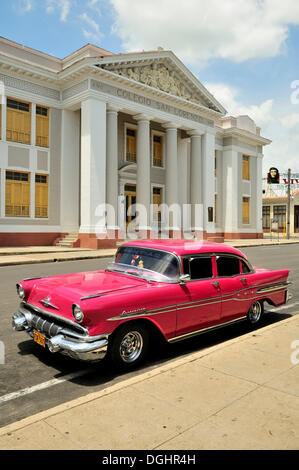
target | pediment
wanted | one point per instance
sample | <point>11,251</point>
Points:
<point>163,72</point>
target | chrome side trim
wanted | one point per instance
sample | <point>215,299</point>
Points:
<point>274,287</point>
<point>93,296</point>
<point>208,301</point>
<point>198,332</point>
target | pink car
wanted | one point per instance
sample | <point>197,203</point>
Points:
<point>170,288</point>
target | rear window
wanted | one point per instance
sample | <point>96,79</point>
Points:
<point>227,265</point>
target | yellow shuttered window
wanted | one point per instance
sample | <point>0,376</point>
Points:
<point>42,126</point>
<point>17,194</point>
<point>157,201</point>
<point>18,125</point>
<point>245,168</point>
<point>131,145</point>
<point>246,210</point>
<point>157,151</point>
<point>41,196</point>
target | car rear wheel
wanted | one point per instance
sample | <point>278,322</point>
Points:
<point>255,312</point>
<point>129,346</point>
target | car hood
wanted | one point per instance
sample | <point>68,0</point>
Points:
<point>57,294</point>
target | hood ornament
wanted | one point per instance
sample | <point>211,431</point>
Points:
<point>46,302</point>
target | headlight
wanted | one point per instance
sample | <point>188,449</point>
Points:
<point>77,313</point>
<point>20,291</point>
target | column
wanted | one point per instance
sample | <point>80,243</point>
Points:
<point>143,177</point>
<point>93,175</point>
<point>112,171</point>
<point>230,200</point>
<point>196,185</point>
<point>183,186</point>
<point>208,183</point>
<point>259,196</point>
<point>70,170</point>
<point>3,114</point>
<point>171,180</point>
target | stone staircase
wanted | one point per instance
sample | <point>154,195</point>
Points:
<point>68,240</point>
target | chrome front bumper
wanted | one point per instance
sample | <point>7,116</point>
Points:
<point>61,339</point>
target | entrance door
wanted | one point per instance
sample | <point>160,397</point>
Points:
<point>296,219</point>
<point>157,201</point>
<point>130,197</point>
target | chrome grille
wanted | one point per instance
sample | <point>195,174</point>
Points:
<point>44,326</point>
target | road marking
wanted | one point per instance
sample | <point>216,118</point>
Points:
<point>42,386</point>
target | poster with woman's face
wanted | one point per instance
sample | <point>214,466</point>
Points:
<point>273,176</point>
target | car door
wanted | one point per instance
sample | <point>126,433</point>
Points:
<point>199,302</point>
<point>234,283</point>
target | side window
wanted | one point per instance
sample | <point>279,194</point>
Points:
<point>198,268</point>
<point>245,268</point>
<point>227,266</point>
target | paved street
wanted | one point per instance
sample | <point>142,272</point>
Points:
<point>32,379</point>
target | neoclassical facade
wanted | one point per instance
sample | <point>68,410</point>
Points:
<point>97,145</point>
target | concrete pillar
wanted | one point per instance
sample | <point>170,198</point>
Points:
<point>208,181</point>
<point>183,183</point>
<point>196,184</point>
<point>171,179</point>
<point>93,175</point>
<point>230,192</point>
<point>112,169</point>
<point>259,195</point>
<point>143,177</point>
<point>70,169</point>
<point>3,114</point>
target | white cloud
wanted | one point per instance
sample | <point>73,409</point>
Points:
<point>24,6</point>
<point>94,5</point>
<point>228,96</point>
<point>63,6</point>
<point>283,131</point>
<point>290,120</point>
<point>93,34</point>
<point>200,30</point>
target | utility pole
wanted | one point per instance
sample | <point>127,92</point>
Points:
<point>289,204</point>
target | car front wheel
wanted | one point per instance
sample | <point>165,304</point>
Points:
<point>255,312</point>
<point>129,346</point>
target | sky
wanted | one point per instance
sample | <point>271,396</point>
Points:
<point>244,51</point>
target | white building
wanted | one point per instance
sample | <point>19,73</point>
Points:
<point>99,128</point>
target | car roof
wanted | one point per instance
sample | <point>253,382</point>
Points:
<point>186,247</point>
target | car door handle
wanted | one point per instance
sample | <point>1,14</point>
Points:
<point>244,280</point>
<point>216,284</point>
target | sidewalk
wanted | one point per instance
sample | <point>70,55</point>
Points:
<point>47,254</point>
<point>240,394</point>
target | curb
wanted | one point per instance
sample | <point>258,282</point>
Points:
<point>54,259</point>
<point>134,380</point>
<point>58,256</point>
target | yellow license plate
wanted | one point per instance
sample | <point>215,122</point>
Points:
<point>39,338</point>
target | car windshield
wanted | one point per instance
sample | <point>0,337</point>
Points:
<point>150,264</point>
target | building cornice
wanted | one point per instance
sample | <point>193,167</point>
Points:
<point>243,134</point>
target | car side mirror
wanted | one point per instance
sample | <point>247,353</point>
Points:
<point>184,278</point>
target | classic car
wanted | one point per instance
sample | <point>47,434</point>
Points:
<point>170,289</point>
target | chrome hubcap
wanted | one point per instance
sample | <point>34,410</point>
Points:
<point>255,312</point>
<point>131,346</point>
